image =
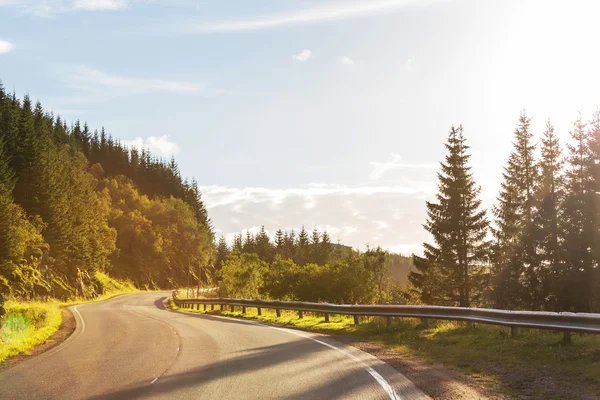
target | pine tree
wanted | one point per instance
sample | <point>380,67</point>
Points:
<point>578,224</point>
<point>325,249</point>
<point>279,242</point>
<point>451,272</point>
<point>302,252</point>
<point>238,244</point>
<point>516,264</point>
<point>222,253</point>
<point>315,247</point>
<point>263,245</point>
<point>547,217</point>
<point>249,244</point>
<point>594,145</point>
<point>6,188</point>
<point>26,160</point>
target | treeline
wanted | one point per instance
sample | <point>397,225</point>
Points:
<point>73,202</point>
<point>306,267</point>
<point>541,251</point>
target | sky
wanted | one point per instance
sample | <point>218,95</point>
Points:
<point>330,114</point>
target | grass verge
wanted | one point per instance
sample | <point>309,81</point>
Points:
<point>486,353</point>
<point>31,323</point>
<point>26,325</point>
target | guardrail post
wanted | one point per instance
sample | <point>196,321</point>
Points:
<point>243,309</point>
<point>198,307</point>
<point>567,337</point>
<point>278,312</point>
<point>259,311</point>
<point>389,321</point>
<point>212,307</point>
<point>204,307</point>
<point>300,315</point>
<point>470,325</point>
<point>425,322</point>
<point>232,308</point>
<point>326,317</point>
<point>356,320</point>
<point>514,331</point>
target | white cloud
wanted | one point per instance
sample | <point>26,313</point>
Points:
<point>356,215</point>
<point>303,55</point>
<point>346,60</point>
<point>336,11</point>
<point>50,8</point>
<point>92,85</point>
<point>97,5</point>
<point>380,168</point>
<point>408,65</point>
<point>6,47</point>
<point>407,248</point>
<point>161,146</point>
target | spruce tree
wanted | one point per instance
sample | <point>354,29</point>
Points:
<point>302,252</point>
<point>578,224</point>
<point>279,242</point>
<point>222,252</point>
<point>516,264</point>
<point>451,271</point>
<point>6,188</point>
<point>594,145</point>
<point>548,232</point>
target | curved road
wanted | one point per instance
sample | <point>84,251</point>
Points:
<point>132,347</point>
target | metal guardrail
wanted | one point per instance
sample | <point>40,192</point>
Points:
<point>564,321</point>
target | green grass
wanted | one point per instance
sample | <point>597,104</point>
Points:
<point>485,352</point>
<point>110,288</point>
<point>28,324</point>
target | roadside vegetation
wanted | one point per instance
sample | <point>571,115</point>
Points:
<point>31,323</point>
<point>26,325</point>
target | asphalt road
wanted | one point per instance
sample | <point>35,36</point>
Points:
<point>132,347</point>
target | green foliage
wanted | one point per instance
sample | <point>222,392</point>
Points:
<point>74,204</point>
<point>242,276</point>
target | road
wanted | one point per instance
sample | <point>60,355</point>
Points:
<point>132,347</point>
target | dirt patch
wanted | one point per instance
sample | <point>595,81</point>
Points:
<point>65,330</point>
<point>542,383</point>
<point>435,380</point>
<point>498,382</point>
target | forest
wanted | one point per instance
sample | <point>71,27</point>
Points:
<point>541,248</point>
<point>308,267</point>
<point>75,202</point>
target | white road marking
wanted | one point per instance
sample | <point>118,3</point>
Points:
<point>65,345</point>
<point>80,317</point>
<point>380,379</point>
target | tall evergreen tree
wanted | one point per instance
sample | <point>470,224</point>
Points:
<point>222,252</point>
<point>578,224</point>
<point>548,233</point>
<point>451,272</point>
<point>516,263</point>
<point>594,145</point>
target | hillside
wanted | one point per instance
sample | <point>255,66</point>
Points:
<point>74,202</point>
